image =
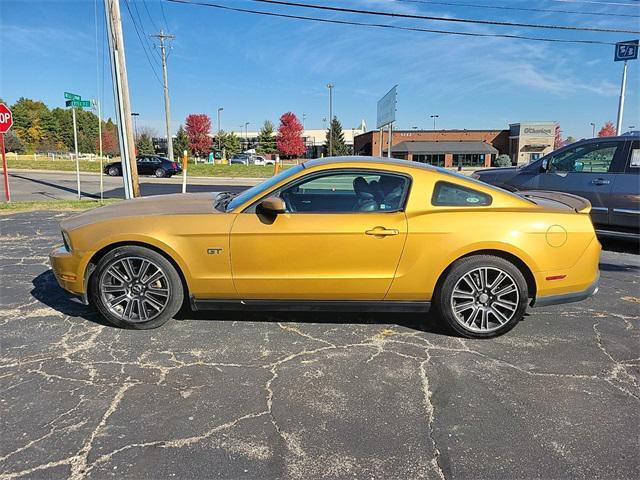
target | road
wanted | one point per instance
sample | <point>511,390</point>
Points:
<point>309,395</point>
<point>32,185</point>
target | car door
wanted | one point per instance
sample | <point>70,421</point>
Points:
<point>143,165</point>
<point>333,243</point>
<point>587,170</point>
<point>624,213</point>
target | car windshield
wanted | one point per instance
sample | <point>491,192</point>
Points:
<point>262,187</point>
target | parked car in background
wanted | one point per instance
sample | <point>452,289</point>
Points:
<point>606,171</point>
<point>249,159</point>
<point>147,165</point>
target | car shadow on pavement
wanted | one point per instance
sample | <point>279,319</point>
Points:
<point>47,291</point>
<point>423,322</point>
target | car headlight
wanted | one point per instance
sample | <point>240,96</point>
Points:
<point>66,241</point>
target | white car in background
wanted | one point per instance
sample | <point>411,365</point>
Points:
<point>250,159</point>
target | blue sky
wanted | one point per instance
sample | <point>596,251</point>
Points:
<point>259,67</point>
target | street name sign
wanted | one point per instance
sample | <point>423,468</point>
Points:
<point>72,96</point>
<point>78,103</point>
<point>626,51</point>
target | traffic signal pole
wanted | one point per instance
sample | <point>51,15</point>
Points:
<point>121,98</point>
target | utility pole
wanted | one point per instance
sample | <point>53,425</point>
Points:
<point>330,87</point>
<point>135,116</point>
<point>167,111</point>
<point>121,98</point>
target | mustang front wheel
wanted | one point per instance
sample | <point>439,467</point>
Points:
<point>482,296</point>
<point>136,287</point>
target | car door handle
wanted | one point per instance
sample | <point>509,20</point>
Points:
<point>382,232</point>
<point>600,181</point>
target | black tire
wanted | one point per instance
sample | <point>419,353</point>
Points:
<point>484,305</point>
<point>142,299</point>
<point>159,173</point>
<point>113,171</point>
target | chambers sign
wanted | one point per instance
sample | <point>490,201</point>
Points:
<point>387,108</point>
<point>538,131</point>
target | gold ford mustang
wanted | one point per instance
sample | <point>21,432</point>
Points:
<point>354,233</point>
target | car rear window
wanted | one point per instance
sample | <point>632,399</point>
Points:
<point>447,194</point>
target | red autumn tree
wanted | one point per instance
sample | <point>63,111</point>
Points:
<point>558,142</point>
<point>110,142</point>
<point>198,126</point>
<point>607,130</point>
<point>289,139</point>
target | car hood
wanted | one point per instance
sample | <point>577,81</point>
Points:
<point>175,204</point>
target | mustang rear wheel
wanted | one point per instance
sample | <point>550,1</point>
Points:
<point>135,287</point>
<point>482,296</point>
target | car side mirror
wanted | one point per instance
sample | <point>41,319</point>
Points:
<point>544,166</point>
<point>272,205</point>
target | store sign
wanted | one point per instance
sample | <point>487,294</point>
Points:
<point>538,131</point>
<point>626,51</point>
<point>387,108</point>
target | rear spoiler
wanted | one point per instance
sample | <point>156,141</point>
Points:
<point>579,204</point>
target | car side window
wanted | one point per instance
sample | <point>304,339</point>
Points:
<point>589,158</point>
<point>451,195</point>
<point>633,165</point>
<point>352,191</point>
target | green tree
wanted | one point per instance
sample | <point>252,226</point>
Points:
<point>503,161</point>
<point>32,123</point>
<point>145,145</point>
<point>267,139</point>
<point>230,142</point>
<point>181,142</point>
<point>339,146</point>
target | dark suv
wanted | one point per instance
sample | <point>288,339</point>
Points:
<point>606,171</point>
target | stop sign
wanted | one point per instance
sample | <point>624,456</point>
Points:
<point>6,119</point>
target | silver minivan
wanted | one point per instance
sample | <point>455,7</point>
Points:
<point>605,170</point>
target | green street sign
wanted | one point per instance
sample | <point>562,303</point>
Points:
<point>72,96</point>
<point>78,103</point>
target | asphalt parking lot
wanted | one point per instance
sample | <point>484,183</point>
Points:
<point>302,396</point>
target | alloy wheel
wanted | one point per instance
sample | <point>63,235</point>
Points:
<point>484,299</point>
<point>134,289</point>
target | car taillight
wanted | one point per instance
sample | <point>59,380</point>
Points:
<point>175,165</point>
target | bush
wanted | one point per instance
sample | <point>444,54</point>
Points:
<point>503,161</point>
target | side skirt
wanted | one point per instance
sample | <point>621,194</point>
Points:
<point>310,305</point>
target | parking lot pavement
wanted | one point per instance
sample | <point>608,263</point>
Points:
<point>267,395</point>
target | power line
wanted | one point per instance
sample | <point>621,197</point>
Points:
<point>391,27</point>
<point>146,54</point>
<point>166,25</point>
<point>597,2</point>
<point>144,33</point>
<point>518,9</point>
<point>442,19</point>
<point>153,22</point>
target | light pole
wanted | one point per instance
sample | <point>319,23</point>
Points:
<point>135,116</point>
<point>330,87</point>
<point>219,127</point>
<point>434,117</point>
<point>246,135</point>
<point>593,130</point>
<point>304,117</point>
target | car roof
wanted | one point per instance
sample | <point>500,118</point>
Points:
<point>369,160</point>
